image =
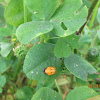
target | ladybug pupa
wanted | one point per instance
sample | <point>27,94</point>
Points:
<point>50,70</point>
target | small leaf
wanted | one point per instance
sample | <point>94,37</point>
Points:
<point>42,9</point>
<point>24,93</point>
<point>2,81</point>
<point>1,90</point>
<point>3,65</point>
<point>5,48</point>
<point>81,93</point>
<point>14,12</point>
<point>4,32</point>
<point>37,59</point>
<point>34,29</point>
<point>71,15</point>
<point>46,93</point>
<point>78,66</point>
<point>62,49</point>
<point>86,39</point>
<point>72,40</point>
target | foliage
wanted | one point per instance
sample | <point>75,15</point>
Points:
<point>36,34</point>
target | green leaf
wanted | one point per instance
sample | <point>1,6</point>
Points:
<point>1,90</point>
<point>95,98</point>
<point>62,49</point>
<point>72,40</point>
<point>98,15</point>
<point>46,94</point>
<point>34,18</point>
<point>79,82</point>
<point>52,40</point>
<point>30,30</point>
<point>4,65</point>
<point>86,39</point>
<point>79,67</point>
<point>5,48</point>
<point>65,22</point>
<point>42,9</point>
<point>2,81</point>
<point>87,3</point>
<point>4,32</point>
<point>37,59</point>
<point>71,15</point>
<point>24,93</point>
<point>98,32</point>
<point>81,93</point>
<point>14,12</point>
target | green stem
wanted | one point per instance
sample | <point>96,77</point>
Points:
<point>42,38</point>
<point>5,96</point>
<point>94,15</point>
<point>58,87</point>
<point>71,82</point>
<point>17,69</point>
<point>89,14</point>
<point>54,38</point>
<point>25,12</point>
<point>19,81</point>
<point>12,90</point>
<point>93,42</point>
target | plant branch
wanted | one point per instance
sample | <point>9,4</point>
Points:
<point>17,69</point>
<point>89,14</point>
<point>58,87</point>
<point>94,15</point>
<point>71,82</point>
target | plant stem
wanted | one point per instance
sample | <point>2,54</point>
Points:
<point>54,38</point>
<point>17,69</point>
<point>89,14</point>
<point>58,87</point>
<point>94,15</point>
<point>42,38</point>
<point>71,82</point>
<point>12,91</point>
<point>19,81</point>
<point>25,11</point>
<point>95,38</point>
